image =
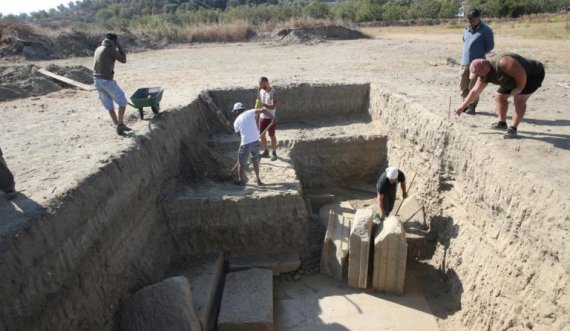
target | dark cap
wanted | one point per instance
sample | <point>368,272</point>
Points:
<point>111,36</point>
<point>474,13</point>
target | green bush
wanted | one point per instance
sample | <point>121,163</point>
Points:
<point>345,11</point>
<point>424,9</point>
<point>393,10</point>
<point>449,8</point>
<point>368,10</point>
<point>103,15</point>
<point>316,9</point>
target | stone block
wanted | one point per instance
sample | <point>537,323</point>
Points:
<point>334,254</point>
<point>163,306</point>
<point>204,271</point>
<point>359,248</point>
<point>342,208</point>
<point>390,252</point>
<point>247,301</point>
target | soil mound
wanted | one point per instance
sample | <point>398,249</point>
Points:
<point>316,34</point>
<point>20,40</point>
<point>24,81</point>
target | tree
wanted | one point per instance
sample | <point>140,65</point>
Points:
<point>449,8</point>
<point>424,9</point>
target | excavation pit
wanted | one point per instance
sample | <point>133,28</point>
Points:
<point>176,204</point>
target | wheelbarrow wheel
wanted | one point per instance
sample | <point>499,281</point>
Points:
<point>155,109</point>
<point>141,113</point>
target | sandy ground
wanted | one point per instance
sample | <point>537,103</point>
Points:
<point>318,302</point>
<point>55,141</point>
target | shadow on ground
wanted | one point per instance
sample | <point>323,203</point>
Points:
<point>15,213</point>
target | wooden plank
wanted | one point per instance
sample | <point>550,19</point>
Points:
<point>66,80</point>
<point>204,96</point>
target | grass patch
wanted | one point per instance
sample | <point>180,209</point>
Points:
<point>551,27</point>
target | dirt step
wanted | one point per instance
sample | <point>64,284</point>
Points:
<point>247,302</point>
<point>204,272</point>
<point>279,262</point>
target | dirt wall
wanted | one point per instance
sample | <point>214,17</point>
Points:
<point>238,226</point>
<point>339,162</point>
<point>502,253</point>
<point>302,101</point>
<point>67,267</point>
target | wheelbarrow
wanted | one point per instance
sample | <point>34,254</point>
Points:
<point>147,97</point>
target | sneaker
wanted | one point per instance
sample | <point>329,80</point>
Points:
<point>273,156</point>
<point>126,128</point>
<point>499,126</point>
<point>511,133</point>
<point>239,183</point>
<point>10,195</point>
<point>265,153</point>
<point>470,110</point>
<point>259,182</point>
<point>120,130</point>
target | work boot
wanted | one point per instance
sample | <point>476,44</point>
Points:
<point>499,126</point>
<point>511,133</point>
<point>265,153</point>
<point>274,156</point>
<point>470,110</point>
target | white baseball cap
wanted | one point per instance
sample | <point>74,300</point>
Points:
<point>238,106</point>
<point>392,173</point>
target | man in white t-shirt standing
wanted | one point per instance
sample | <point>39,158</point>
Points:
<point>267,96</point>
<point>245,125</point>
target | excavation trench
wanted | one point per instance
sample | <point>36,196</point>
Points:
<point>177,201</point>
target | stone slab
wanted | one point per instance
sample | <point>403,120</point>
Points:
<point>412,213</point>
<point>247,302</point>
<point>163,306</point>
<point>334,254</point>
<point>278,262</point>
<point>204,271</point>
<point>359,248</point>
<point>342,208</point>
<point>390,253</point>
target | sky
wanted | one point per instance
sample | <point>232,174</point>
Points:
<point>26,6</point>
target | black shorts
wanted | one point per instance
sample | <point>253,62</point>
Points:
<point>533,82</point>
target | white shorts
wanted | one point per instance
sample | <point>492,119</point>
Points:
<point>110,91</point>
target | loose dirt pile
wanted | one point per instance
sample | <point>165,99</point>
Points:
<point>26,41</point>
<point>316,34</point>
<point>25,80</point>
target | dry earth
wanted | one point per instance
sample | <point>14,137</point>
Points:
<point>54,142</point>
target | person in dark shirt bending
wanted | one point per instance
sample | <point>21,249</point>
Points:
<point>387,187</point>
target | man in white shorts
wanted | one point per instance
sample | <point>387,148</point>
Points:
<point>103,71</point>
<point>245,125</point>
